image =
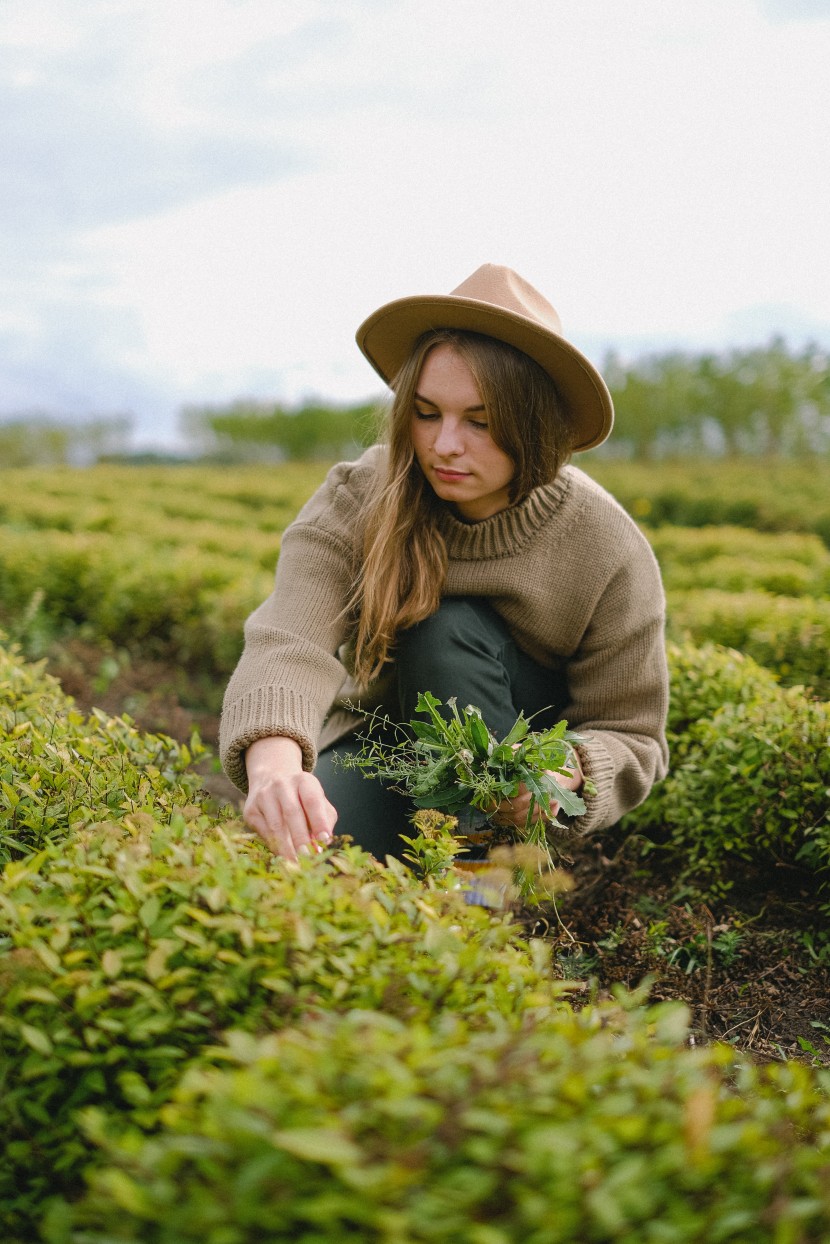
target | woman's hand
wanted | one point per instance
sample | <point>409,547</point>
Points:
<point>515,811</point>
<point>286,806</point>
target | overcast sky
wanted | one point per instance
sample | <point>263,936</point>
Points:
<point>201,199</point>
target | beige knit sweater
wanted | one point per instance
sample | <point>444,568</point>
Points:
<point>568,570</point>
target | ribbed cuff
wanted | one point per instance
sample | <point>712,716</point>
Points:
<point>261,714</point>
<point>598,766</point>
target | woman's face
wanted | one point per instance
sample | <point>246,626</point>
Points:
<point>454,448</point>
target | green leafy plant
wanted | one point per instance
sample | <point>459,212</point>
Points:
<point>434,845</point>
<point>704,492</point>
<point>200,1042</point>
<point>510,870</point>
<point>127,948</point>
<point>61,771</point>
<point>789,635</point>
<point>750,772</point>
<point>590,1127</point>
<point>454,763</point>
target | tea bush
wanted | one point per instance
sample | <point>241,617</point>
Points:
<point>790,635</point>
<point>60,770</point>
<point>133,926</point>
<point>162,503</point>
<point>165,504</point>
<point>572,1128</point>
<point>168,604</point>
<point>765,494</point>
<point>735,559</point>
<point>166,563</point>
<point>397,1064</point>
<point>125,950</point>
<point>750,769</point>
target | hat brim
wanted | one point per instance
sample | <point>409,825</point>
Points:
<point>388,336</point>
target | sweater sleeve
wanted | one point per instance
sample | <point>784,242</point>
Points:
<point>618,688</point>
<point>289,674</point>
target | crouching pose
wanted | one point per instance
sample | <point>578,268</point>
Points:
<point>463,556</point>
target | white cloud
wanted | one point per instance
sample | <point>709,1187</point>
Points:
<point>657,168</point>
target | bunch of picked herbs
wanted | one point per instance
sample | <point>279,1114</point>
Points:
<point>456,763</point>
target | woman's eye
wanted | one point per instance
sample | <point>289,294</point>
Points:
<point>477,423</point>
<point>425,414</point>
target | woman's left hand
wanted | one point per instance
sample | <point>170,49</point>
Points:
<point>515,811</point>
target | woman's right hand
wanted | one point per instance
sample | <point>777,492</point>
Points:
<point>286,805</point>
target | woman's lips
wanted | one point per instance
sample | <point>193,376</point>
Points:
<point>448,476</point>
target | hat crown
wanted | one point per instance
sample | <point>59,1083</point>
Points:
<point>502,287</point>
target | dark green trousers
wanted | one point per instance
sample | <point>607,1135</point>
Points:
<point>463,650</point>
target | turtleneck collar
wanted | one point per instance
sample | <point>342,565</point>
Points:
<point>510,530</point>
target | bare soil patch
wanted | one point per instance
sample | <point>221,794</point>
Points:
<point>750,966</point>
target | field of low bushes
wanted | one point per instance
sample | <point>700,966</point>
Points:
<point>765,494</point>
<point>198,1042</point>
<point>162,563</point>
<point>166,562</point>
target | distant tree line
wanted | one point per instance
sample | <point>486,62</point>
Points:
<point>48,440</point>
<point>761,401</point>
<point>769,400</point>
<point>251,431</point>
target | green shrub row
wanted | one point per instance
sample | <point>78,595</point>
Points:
<point>788,635</point>
<point>166,563</point>
<point>573,1129</point>
<point>134,928</point>
<point>750,770</point>
<point>770,598</point>
<point>736,559</point>
<point>60,770</point>
<point>126,950</point>
<point>198,506</point>
<point>169,506</point>
<point>175,607</point>
<point>765,494</point>
<point>162,502</point>
<point>198,1041</point>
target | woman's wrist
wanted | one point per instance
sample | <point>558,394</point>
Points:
<point>277,751</point>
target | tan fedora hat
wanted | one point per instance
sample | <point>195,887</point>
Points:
<point>499,303</point>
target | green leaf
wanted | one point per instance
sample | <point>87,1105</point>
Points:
<point>480,736</point>
<point>111,963</point>
<point>148,912</point>
<point>517,732</point>
<point>570,803</point>
<point>38,1040</point>
<point>318,1144</point>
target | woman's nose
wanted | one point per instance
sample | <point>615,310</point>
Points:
<point>448,438</point>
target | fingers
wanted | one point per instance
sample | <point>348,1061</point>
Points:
<point>571,779</point>
<point>516,811</point>
<point>291,814</point>
<point>320,814</point>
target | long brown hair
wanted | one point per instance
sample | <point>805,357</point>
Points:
<point>405,557</point>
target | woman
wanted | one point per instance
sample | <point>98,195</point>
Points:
<point>465,558</point>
